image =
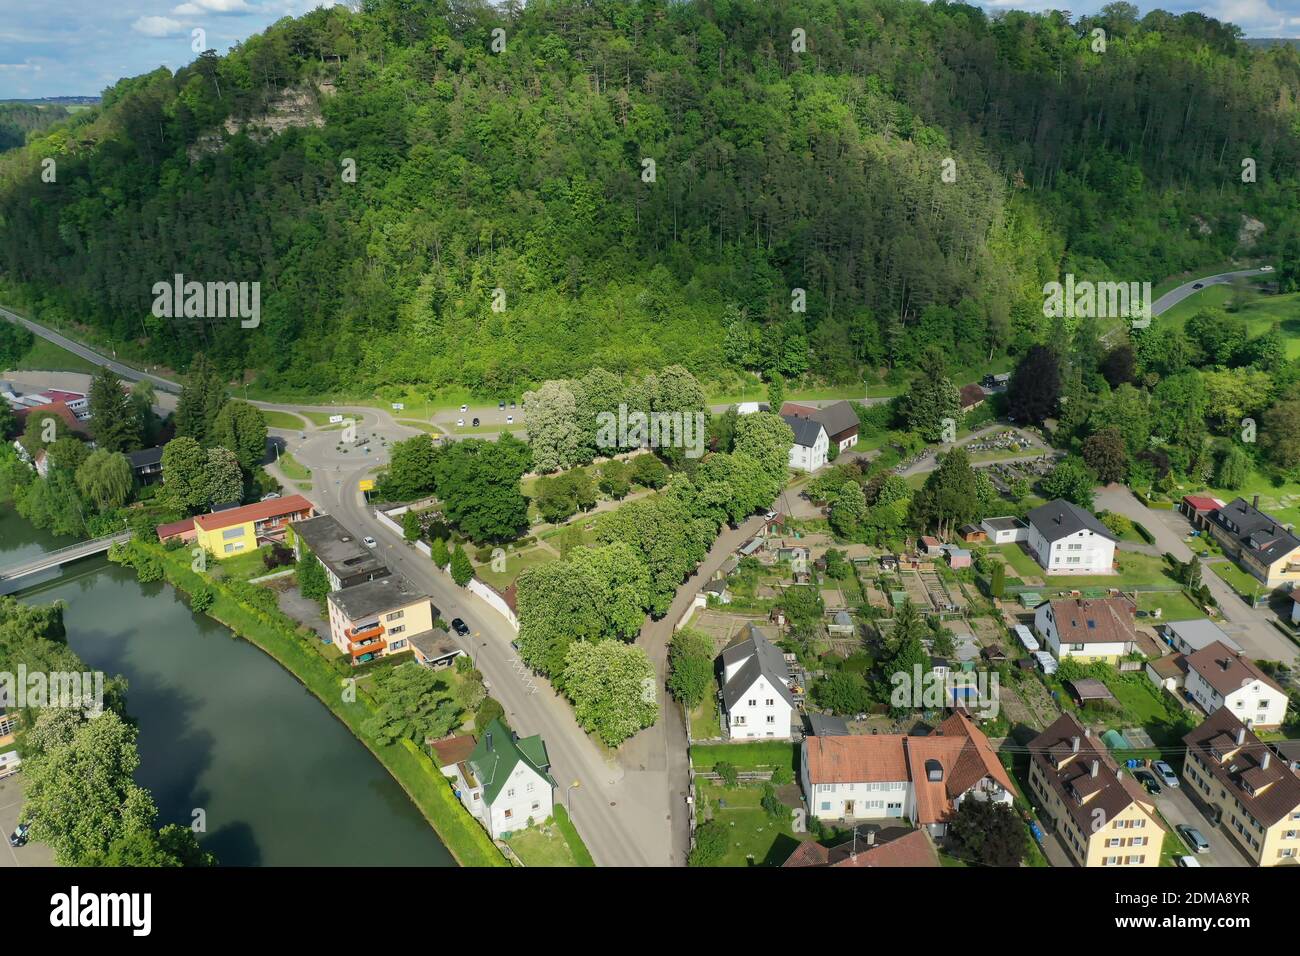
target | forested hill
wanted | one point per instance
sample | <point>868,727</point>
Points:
<point>526,170</point>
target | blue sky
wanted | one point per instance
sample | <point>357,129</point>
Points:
<point>79,47</point>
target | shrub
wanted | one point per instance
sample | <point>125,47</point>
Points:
<point>727,772</point>
<point>710,844</point>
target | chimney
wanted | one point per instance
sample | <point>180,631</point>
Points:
<point>1087,732</point>
<point>1254,502</point>
<point>1074,744</point>
<point>1266,760</point>
<point>1241,736</point>
<point>1094,769</point>
<point>489,741</point>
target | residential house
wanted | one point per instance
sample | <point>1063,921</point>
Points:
<point>811,443</point>
<point>1219,678</point>
<point>76,424</point>
<point>378,617</point>
<point>1005,529</point>
<point>146,465</point>
<point>929,546</point>
<point>921,779</point>
<point>756,695</point>
<point>1258,542</point>
<point>1100,814</point>
<point>972,534</point>
<point>717,590</point>
<point>1253,795</point>
<point>1188,637</point>
<point>345,559</point>
<point>238,530</point>
<point>1089,629</point>
<point>1065,539</point>
<point>435,649</point>
<point>838,418</point>
<point>504,781</point>
<point>1198,508</point>
<point>878,846</point>
<point>1168,672</point>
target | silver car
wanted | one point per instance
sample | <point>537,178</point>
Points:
<point>1165,773</point>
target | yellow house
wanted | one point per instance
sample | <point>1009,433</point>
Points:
<point>1252,792</point>
<point>380,617</point>
<point>235,531</point>
<point>1258,541</point>
<point>1101,815</point>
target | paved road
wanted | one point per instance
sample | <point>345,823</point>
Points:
<point>1178,809</point>
<point>1190,288</point>
<point>11,804</point>
<point>1248,626</point>
<point>622,806</point>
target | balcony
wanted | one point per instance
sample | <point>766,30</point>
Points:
<point>370,647</point>
<point>363,633</point>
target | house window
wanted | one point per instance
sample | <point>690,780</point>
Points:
<point>509,814</point>
<point>231,533</point>
<point>536,804</point>
<point>531,787</point>
<point>752,703</point>
<point>396,645</point>
<point>826,804</point>
<point>397,630</point>
<point>769,702</point>
<point>510,792</point>
<point>394,616</point>
<point>771,719</point>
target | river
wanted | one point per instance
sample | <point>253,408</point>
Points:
<point>224,729</point>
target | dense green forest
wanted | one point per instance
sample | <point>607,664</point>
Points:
<point>525,170</point>
<point>19,119</point>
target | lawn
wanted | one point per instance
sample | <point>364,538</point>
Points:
<point>1173,605</point>
<point>546,845</point>
<point>1020,561</point>
<point>760,755</point>
<point>705,721</point>
<point>322,419</point>
<point>45,356</point>
<point>1133,569</point>
<point>291,467</point>
<point>516,562</point>
<point>242,567</point>
<point>756,838</point>
<point>1237,579</point>
<point>287,420</point>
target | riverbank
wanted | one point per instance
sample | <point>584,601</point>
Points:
<point>277,636</point>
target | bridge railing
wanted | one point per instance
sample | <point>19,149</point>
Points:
<point>59,555</point>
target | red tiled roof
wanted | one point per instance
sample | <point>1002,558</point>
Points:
<point>166,531</point>
<point>1203,502</point>
<point>971,395</point>
<point>1094,620</point>
<point>911,849</point>
<point>275,508</point>
<point>60,409</point>
<point>454,749</point>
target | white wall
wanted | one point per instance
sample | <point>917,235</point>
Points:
<point>1255,704</point>
<point>753,715</point>
<point>803,458</point>
<point>871,801</point>
<point>1084,552</point>
<point>526,795</point>
<point>1045,625</point>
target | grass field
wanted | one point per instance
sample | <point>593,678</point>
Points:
<point>763,755</point>
<point>45,356</point>
<point>756,838</point>
<point>1173,605</point>
<point>705,722</point>
<point>289,420</point>
<point>1237,579</point>
<point>292,468</point>
<point>543,845</point>
<point>515,564</point>
<point>429,427</point>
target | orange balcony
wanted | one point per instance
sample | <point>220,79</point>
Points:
<point>374,647</point>
<point>363,634</point>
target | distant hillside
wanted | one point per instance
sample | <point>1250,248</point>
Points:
<point>651,183</point>
<point>20,117</point>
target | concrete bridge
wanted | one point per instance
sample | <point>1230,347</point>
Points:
<point>54,559</point>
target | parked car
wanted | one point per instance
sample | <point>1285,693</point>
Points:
<point>270,495</point>
<point>1193,838</point>
<point>475,423</point>
<point>459,626</point>
<point>1165,773</point>
<point>19,836</point>
<point>369,542</point>
<point>1148,782</point>
<point>460,423</point>
<point>464,408</point>
<point>1188,861</point>
<point>770,516</point>
<point>501,406</point>
<point>510,419</point>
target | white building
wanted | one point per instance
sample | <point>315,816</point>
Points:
<point>503,780</point>
<point>921,779</point>
<point>1188,637</point>
<point>1065,539</point>
<point>1005,530</point>
<point>811,443</point>
<point>756,688</point>
<point>1087,629</point>
<point>1217,677</point>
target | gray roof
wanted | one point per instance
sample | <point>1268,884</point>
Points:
<point>375,597</point>
<point>1258,534</point>
<point>805,429</point>
<point>336,547</point>
<point>145,457</point>
<point>1060,518</point>
<point>761,658</point>
<point>843,617</point>
<point>837,417</point>
<point>826,725</point>
<point>1004,523</point>
<point>1198,634</point>
<point>434,644</point>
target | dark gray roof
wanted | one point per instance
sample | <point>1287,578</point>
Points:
<point>1258,534</point>
<point>145,457</point>
<point>377,596</point>
<point>1004,523</point>
<point>761,658</point>
<point>434,644</point>
<point>1060,518</point>
<point>336,547</point>
<point>825,725</point>
<point>837,417</point>
<point>805,429</point>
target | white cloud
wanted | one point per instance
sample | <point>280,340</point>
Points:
<point>193,7</point>
<point>157,27</point>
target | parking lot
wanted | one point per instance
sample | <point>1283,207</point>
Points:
<point>11,801</point>
<point>1178,808</point>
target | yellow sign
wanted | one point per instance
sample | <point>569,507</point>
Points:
<point>366,484</point>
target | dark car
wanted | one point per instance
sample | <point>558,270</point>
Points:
<point>19,836</point>
<point>476,423</point>
<point>1149,783</point>
<point>1199,285</point>
<point>501,406</point>
<point>459,626</point>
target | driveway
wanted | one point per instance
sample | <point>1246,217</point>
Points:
<point>1178,808</point>
<point>1250,627</point>
<point>11,802</point>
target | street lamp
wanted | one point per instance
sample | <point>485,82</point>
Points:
<point>568,796</point>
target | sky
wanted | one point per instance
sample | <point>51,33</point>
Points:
<point>81,47</point>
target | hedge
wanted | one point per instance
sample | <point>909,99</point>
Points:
<point>278,635</point>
